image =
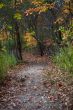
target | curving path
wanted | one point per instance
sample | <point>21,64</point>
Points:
<point>28,89</point>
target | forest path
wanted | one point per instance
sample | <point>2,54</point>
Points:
<point>35,97</point>
<point>25,90</point>
<point>29,89</point>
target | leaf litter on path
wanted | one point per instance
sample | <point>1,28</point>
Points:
<point>38,85</point>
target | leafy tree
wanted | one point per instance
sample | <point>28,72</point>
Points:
<point>11,14</point>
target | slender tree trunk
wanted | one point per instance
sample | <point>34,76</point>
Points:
<point>18,39</point>
<point>18,42</point>
<point>40,43</point>
<point>41,48</point>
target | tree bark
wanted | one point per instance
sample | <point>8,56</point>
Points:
<point>18,42</point>
<point>41,48</point>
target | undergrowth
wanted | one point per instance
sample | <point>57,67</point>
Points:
<point>6,61</point>
<point>64,59</point>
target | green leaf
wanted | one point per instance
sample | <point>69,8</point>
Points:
<point>18,16</point>
<point>9,27</point>
<point>1,5</point>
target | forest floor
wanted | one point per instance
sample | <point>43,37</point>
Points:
<point>37,84</point>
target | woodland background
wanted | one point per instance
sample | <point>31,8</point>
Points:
<point>40,27</point>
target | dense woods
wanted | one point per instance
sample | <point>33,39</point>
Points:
<point>43,28</point>
<point>49,24</point>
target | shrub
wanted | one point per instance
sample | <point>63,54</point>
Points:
<point>65,58</point>
<point>6,61</point>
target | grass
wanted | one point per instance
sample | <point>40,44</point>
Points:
<point>6,61</point>
<point>64,59</point>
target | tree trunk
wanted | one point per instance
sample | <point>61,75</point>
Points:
<point>18,42</point>
<point>41,48</point>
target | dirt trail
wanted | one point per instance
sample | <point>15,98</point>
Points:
<point>28,89</point>
<point>34,98</point>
